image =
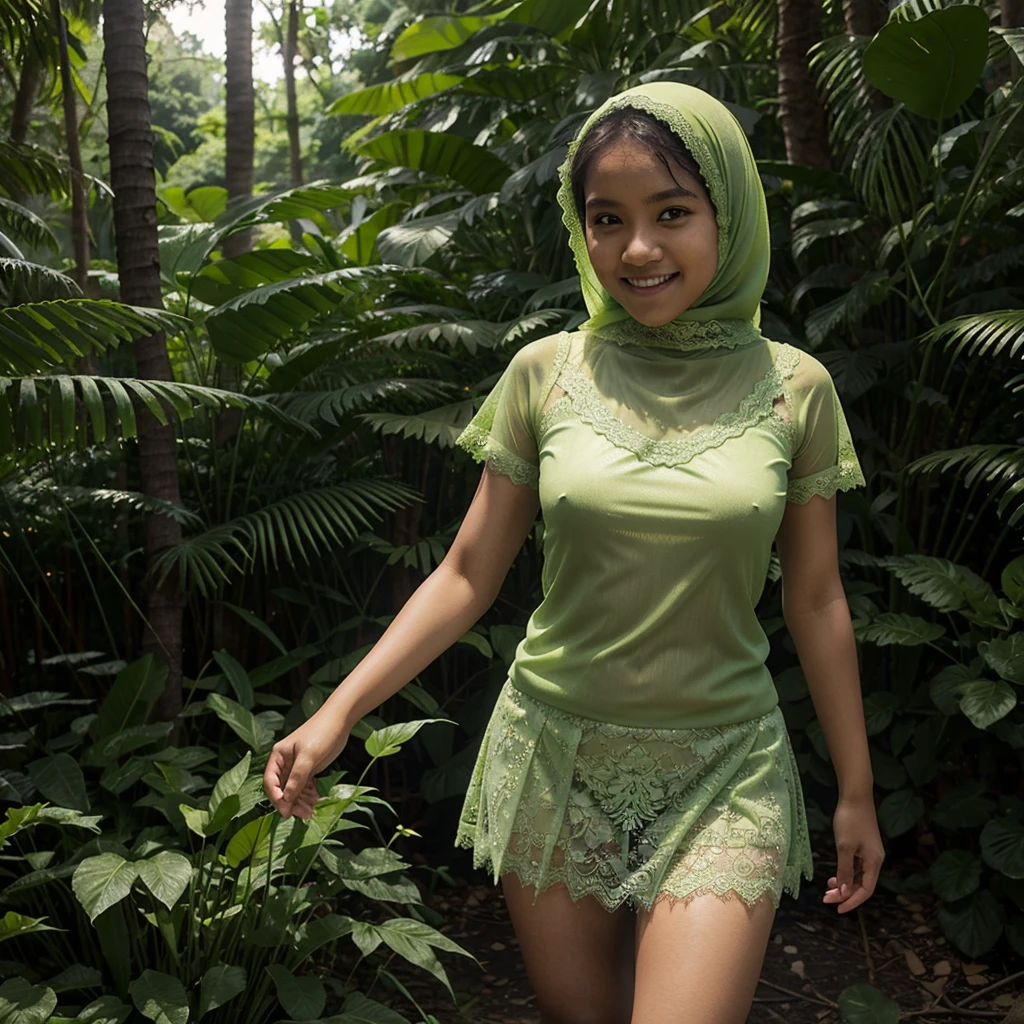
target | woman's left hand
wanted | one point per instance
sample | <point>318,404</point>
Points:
<point>859,851</point>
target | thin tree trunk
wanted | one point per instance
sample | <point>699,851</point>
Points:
<point>291,49</point>
<point>79,210</point>
<point>863,17</point>
<point>801,111</point>
<point>1011,15</point>
<point>25,97</point>
<point>138,264</point>
<point>241,112</point>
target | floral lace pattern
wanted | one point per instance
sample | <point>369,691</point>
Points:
<point>684,335</point>
<point>842,477</point>
<point>493,454</point>
<point>757,406</point>
<point>636,814</point>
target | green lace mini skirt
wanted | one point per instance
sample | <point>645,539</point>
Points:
<point>634,815</point>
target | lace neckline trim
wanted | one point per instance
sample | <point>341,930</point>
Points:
<point>757,406</point>
<point>681,335</point>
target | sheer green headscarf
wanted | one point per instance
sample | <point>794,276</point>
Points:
<point>718,144</point>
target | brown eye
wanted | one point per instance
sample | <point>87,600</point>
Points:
<point>677,212</point>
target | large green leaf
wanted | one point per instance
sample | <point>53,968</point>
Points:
<point>865,1004</point>
<point>388,97</point>
<point>24,1003</point>
<point>443,32</point>
<point>897,628</point>
<point>227,279</point>
<point>439,153</point>
<point>900,811</point>
<point>166,875</point>
<point>105,1010</point>
<point>550,18</point>
<point>986,701</point>
<point>160,997</point>
<point>974,923</point>
<point>1005,656</point>
<point>940,582</point>
<point>955,874</point>
<point>132,696</point>
<point>303,998</point>
<point>101,881</point>
<point>60,779</point>
<point>933,64</point>
<point>38,336</point>
<point>219,985</point>
<point>1002,845</point>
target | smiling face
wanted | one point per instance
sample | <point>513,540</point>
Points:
<point>652,236</point>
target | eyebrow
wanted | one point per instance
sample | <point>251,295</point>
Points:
<point>670,193</point>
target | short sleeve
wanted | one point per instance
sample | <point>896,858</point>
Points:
<point>502,434</point>
<point>824,460</point>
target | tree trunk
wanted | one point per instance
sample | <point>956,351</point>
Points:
<point>801,111</point>
<point>138,264</point>
<point>25,97</point>
<point>291,49</point>
<point>1011,15</point>
<point>79,211</point>
<point>863,17</point>
<point>241,112</point>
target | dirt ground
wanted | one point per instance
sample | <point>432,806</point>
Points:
<point>891,941</point>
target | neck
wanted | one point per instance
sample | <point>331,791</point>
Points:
<point>681,335</point>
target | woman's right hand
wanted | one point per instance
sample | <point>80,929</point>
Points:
<point>290,775</point>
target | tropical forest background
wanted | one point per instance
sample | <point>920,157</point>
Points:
<point>241,324</point>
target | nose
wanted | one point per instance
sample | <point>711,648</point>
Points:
<point>641,249</point>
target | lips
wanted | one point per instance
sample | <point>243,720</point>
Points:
<point>651,283</point>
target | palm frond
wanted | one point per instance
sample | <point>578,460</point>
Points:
<point>38,336</point>
<point>439,426</point>
<point>38,411</point>
<point>982,334</point>
<point>333,406</point>
<point>309,524</point>
<point>21,222</point>
<point>1001,465</point>
<point>22,281</point>
<point>49,498</point>
<point>30,169</point>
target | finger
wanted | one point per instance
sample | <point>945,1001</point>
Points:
<point>272,775</point>
<point>298,778</point>
<point>844,869</point>
<point>859,895</point>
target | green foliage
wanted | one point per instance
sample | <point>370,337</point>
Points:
<point>192,897</point>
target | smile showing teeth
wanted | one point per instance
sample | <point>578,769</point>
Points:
<point>648,282</point>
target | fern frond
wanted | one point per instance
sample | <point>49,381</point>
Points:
<point>297,528</point>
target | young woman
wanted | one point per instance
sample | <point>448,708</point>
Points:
<point>636,791</point>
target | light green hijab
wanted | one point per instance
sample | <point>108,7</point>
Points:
<point>730,306</point>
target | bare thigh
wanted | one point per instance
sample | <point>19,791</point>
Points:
<point>578,956</point>
<point>699,962</point>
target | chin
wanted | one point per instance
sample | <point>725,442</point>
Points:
<point>651,318</point>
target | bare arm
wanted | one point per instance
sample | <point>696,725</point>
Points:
<point>818,618</point>
<point>448,602</point>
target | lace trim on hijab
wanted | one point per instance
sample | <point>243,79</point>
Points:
<point>697,146</point>
<point>681,334</point>
<point>756,406</point>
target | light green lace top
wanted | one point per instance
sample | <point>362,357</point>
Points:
<point>664,457</point>
<point>663,475</point>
